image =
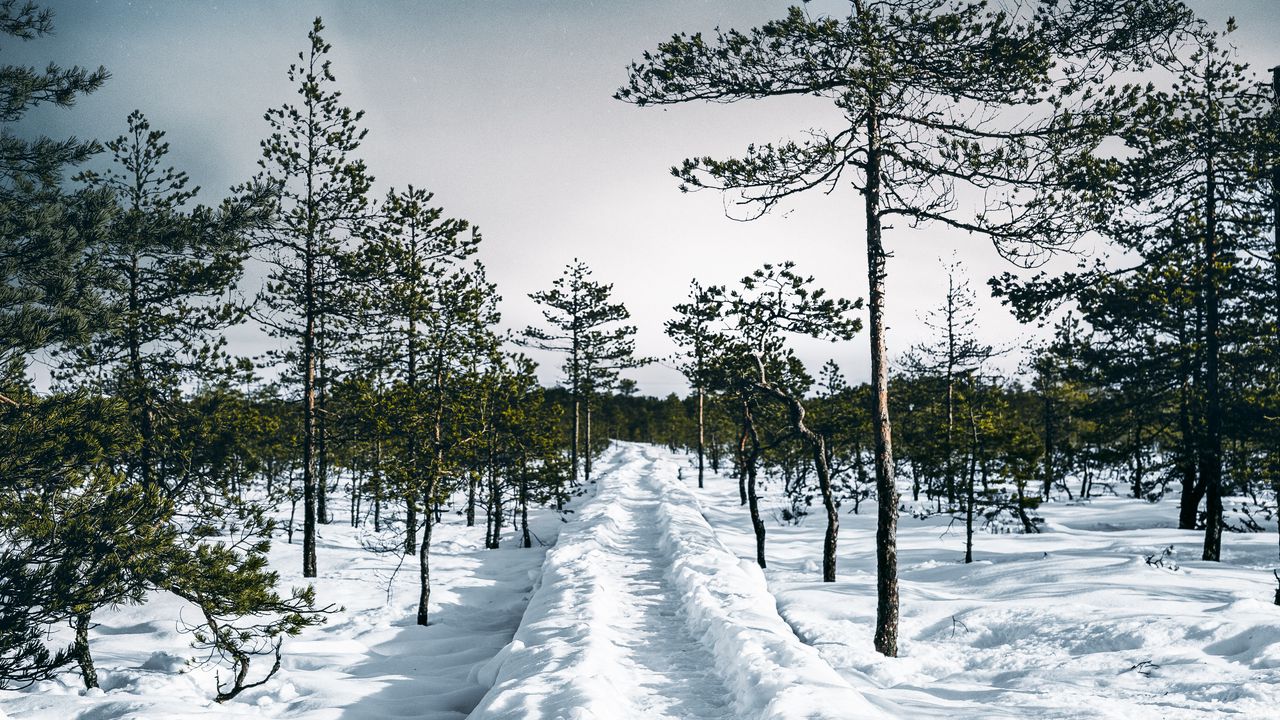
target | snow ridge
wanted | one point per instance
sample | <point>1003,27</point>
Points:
<point>727,601</point>
<point>643,613</point>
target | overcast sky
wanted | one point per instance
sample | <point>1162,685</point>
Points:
<point>504,110</point>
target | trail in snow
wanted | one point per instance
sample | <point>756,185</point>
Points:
<point>643,613</point>
<point>673,672</point>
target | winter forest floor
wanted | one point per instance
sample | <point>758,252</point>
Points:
<point>1069,623</point>
<point>369,661</point>
<point>650,606</point>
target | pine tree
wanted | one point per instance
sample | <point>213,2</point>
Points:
<point>954,355</point>
<point>458,329</point>
<point>583,323</point>
<point>48,297</point>
<point>919,83</point>
<point>430,317</point>
<point>322,192</point>
<point>48,291</point>
<point>168,273</point>
<point>692,331</point>
<point>1188,198</point>
<point>403,266</point>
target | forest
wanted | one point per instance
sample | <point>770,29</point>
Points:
<point>1119,155</point>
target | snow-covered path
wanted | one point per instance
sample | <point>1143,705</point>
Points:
<point>643,613</point>
<point>674,674</point>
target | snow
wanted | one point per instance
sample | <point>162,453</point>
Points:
<point>643,613</point>
<point>370,660</point>
<point>1070,623</point>
<point>650,606</point>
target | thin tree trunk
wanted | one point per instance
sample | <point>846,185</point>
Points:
<point>573,446</point>
<point>818,449</point>
<point>1275,268</point>
<point>322,445</point>
<point>525,540</point>
<point>424,562</point>
<point>411,525</point>
<point>1138,470</point>
<point>753,501</point>
<point>886,634</point>
<point>586,447</point>
<point>951,396</point>
<point>1192,490</point>
<point>833,514</point>
<point>495,495</point>
<point>1211,449</point>
<point>472,482</point>
<point>1049,438</point>
<point>309,425</point>
<point>969,494</point>
<point>742,469</point>
<point>701,441</point>
<point>715,453</point>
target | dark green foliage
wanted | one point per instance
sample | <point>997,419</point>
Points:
<point>243,614</point>
<point>48,291</point>
<point>166,274</point>
<point>1172,337</point>
<point>68,525</point>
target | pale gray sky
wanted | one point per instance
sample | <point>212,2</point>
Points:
<point>503,108</point>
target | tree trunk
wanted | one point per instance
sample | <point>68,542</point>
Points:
<point>1211,449</point>
<point>586,447</point>
<point>715,453</point>
<point>80,651</point>
<point>833,514</point>
<point>886,635</point>
<point>753,501</point>
<point>573,447</point>
<point>818,449</point>
<point>1049,438</point>
<point>424,563</point>
<point>526,541</point>
<point>411,525</point>
<point>1275,268</point>
<point>309,425</point>
<point>1138,470</point>
<point>472,482</point>
<point>951,404</point>
<point>495,507</point>
<point>322,445</point>
<point>701,441</point>
<point>969,494</point>
<point>742,468</point>
<point>1192,490</point>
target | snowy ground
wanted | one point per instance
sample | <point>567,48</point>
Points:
<point>1071,623</point>
<point>370,660</point>
<point>650,607</point>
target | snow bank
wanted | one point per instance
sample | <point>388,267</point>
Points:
<point>558,665</point>
<point>727,602</point>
